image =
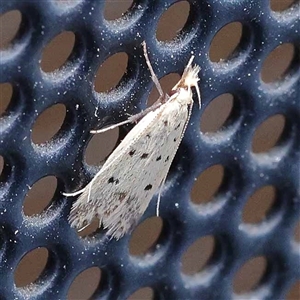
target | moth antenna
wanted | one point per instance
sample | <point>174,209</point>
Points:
<point>153,76</point>
<point>74,193</point>
<point>159,195</point>
<point>82,228</point>
<point>198,93</point>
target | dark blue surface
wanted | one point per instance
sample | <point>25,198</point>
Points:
<point>263,31</point>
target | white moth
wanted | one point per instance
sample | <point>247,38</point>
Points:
<point>120,192</point>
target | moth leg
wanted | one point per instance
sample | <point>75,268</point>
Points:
<point>74,193</point>
<point>162,98</point>
<point>131,119</point>
<point>113,126</point>
<point>82,228</point>
<point>90,191</point>
<point>159,195</point>
<point>153,76</point>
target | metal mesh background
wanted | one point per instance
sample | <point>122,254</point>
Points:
<point>183,222</point>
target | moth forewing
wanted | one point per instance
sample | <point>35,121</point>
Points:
<point>121,191</point>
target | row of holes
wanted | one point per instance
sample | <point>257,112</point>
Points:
<point>255,211</point>
<point>167,29</point>
<point>193,261</point>
<point>213,120</point>
<point>56,54</point>
<point>110,12</point>
<point>206,186</point>
<point>96,271</point>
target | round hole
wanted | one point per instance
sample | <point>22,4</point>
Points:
<point>6,92</point>
<point>297,233</point>
<point>216,114</point>
<point>145,293</point>
<point>196,257</point>
<point>277,63</point>
<point>57,52</point>
<point>145,236</point>
<point>100,146</point>
<point>48,123</point>
<point>268,133</point>
<point>39,196</point>
<point>31,267</point>
<point>294,291</point>
<point>249,275</point>
<point>167,83</point>
<point>110,72</point>
<point>116,9</point>
<point>172,21</point>
<point>225,42</point>
<point>207,184</point>
<point>5,169</point>
<point>279,5</point>
<point>85,284</point>
<point>10,26</point>
<point>259,204</point>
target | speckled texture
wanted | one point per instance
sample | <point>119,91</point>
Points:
<point>97,39</point>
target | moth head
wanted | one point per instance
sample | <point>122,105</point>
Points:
<point>189,79</point>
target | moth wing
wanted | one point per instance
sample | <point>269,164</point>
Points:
<point>121,191</point>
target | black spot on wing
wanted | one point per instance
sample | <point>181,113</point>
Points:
<point>177,126</point>
<point>158,158</point>
<point>145,155</point>
<point>167,158</point>
<point>131,152</point>
<point>175,140</point>
<point>148,187</point>
<point>113,180</point>
<point>166,123</point>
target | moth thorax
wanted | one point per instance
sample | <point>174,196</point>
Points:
<point>183,95</point>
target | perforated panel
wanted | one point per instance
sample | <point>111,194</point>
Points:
<point>184,222</point>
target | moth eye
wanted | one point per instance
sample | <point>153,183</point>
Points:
<point>145,155</point>
<point>131,152</point>
<point>158,158</point>
<point>148,187</point>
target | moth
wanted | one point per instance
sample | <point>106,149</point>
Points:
<point>136,170</point>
